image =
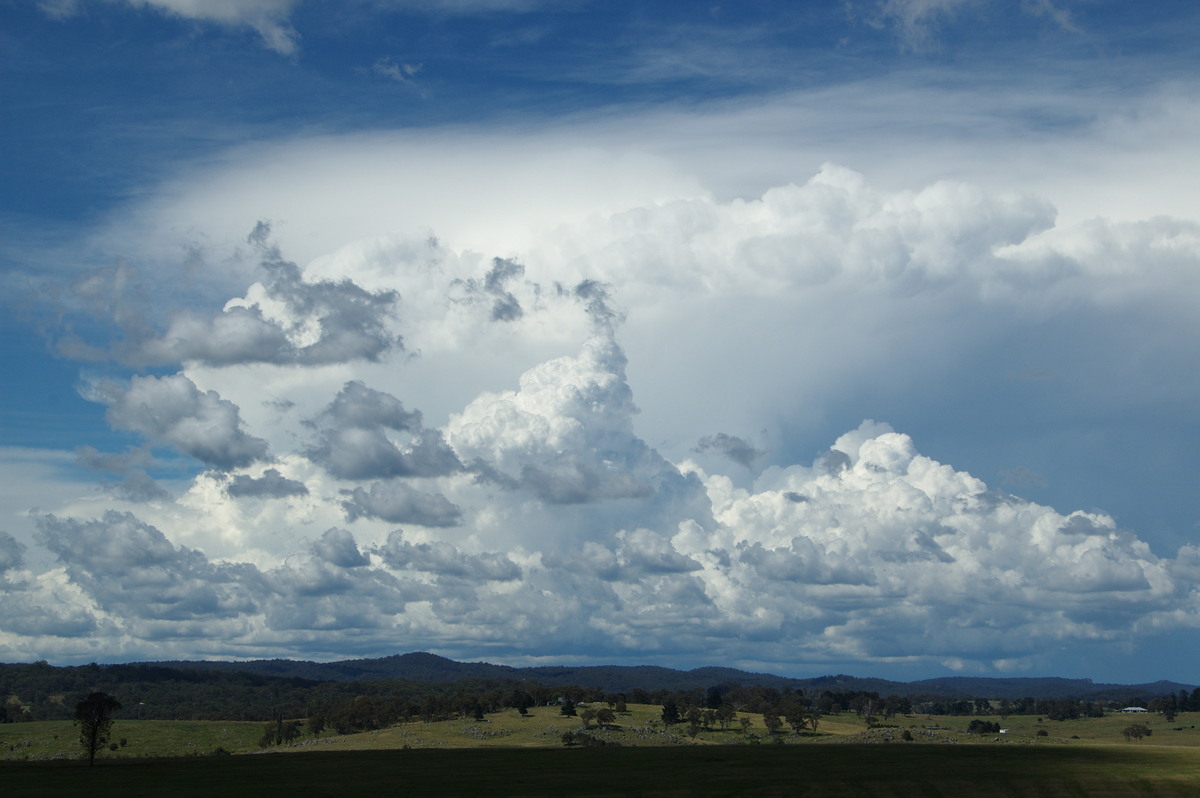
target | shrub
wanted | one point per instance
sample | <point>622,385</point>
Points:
<point>978,726</point>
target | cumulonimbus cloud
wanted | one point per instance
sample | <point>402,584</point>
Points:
<point>539,511</point>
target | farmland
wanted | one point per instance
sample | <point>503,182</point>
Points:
<point>507,754</point>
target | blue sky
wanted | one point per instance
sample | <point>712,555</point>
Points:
<point>801,337</point>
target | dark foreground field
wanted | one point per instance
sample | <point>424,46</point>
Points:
<point>835,770</point>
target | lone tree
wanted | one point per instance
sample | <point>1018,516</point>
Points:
<point>94,717</point>
<point>1136,732</point>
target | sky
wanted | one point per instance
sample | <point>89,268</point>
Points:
<point>825,337</point>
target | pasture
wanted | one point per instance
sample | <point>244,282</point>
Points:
<point>845,770</point>
<point>511,755</point>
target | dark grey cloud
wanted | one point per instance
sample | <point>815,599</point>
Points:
<point>353,442</point>
<point>505,306</point>
<point>573,479</point>
<point>337,546</point>
<point>132,570</point>
<point>598,302</point>
<point>833,462</point>
<point>316,595</point>
<point>359,406</point>
<point>172,411</point>
<point>645,552</point>
<point>445,559</point>
<point>11,552</point>
<point>28,614</point>
<point>114,462</point>
<point>352,320</point>
<point>236,335</point>
<point>399,503</point>
<point>271,485</point>
<point>736,449</point>
<point>1080,524</point>
<point>136,485</point>
<point>357,453</point>
<point>308,323</point>
<point>139,487</point>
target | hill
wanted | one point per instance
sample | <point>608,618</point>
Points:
<point>425,667</point>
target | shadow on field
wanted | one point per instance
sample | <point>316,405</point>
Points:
<point>813,770</point>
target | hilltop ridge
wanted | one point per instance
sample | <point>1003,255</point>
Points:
<point>423,666</point>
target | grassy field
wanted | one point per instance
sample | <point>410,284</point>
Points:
<point>510,755</point>
<point>847,770</point>
<point>59,739</point>
<point>544,726</point>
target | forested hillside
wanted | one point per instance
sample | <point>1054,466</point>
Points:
<point>425,667</point>
<point>365,694</point>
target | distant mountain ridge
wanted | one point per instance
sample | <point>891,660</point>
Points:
<point>426,667</point>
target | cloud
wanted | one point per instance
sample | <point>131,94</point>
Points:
<point>353,442</point>
<point>357,405</point>
<point>135,573</point>
<point>1060,15</point>
<point>505,306</point>
<point>736,449</point>
<point>444,559</point>
<point>172,411</point>
<point>271,485</point>
<point>337,546</point>
<point>38,610</point>
<point>399,503</point>
<point>284,319</point>
<point>11,552</point>
<point>543,505</point>
<point>271,19</point>
<point>915,21</point>
<point>883,550</point>
<point>872,552</point>
<point>136,485</point>
<point>645,552</point>
<point>566,435</point>
<point>268,18</point>
<point>401,73</point>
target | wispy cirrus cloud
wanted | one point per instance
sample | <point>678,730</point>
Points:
<point>268,18</point>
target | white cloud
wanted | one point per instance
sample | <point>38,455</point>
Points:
<point>268,18</point>
<point>559,280</point>
<point>916,21</point>
<point>873,552</point>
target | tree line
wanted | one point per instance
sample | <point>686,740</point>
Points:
<point>40,691</point>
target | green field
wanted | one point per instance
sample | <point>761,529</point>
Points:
<point>510,755</point>
<point>544,726</point>
<point>849,770</point>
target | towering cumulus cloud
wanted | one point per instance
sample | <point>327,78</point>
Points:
<point>490,488</point>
